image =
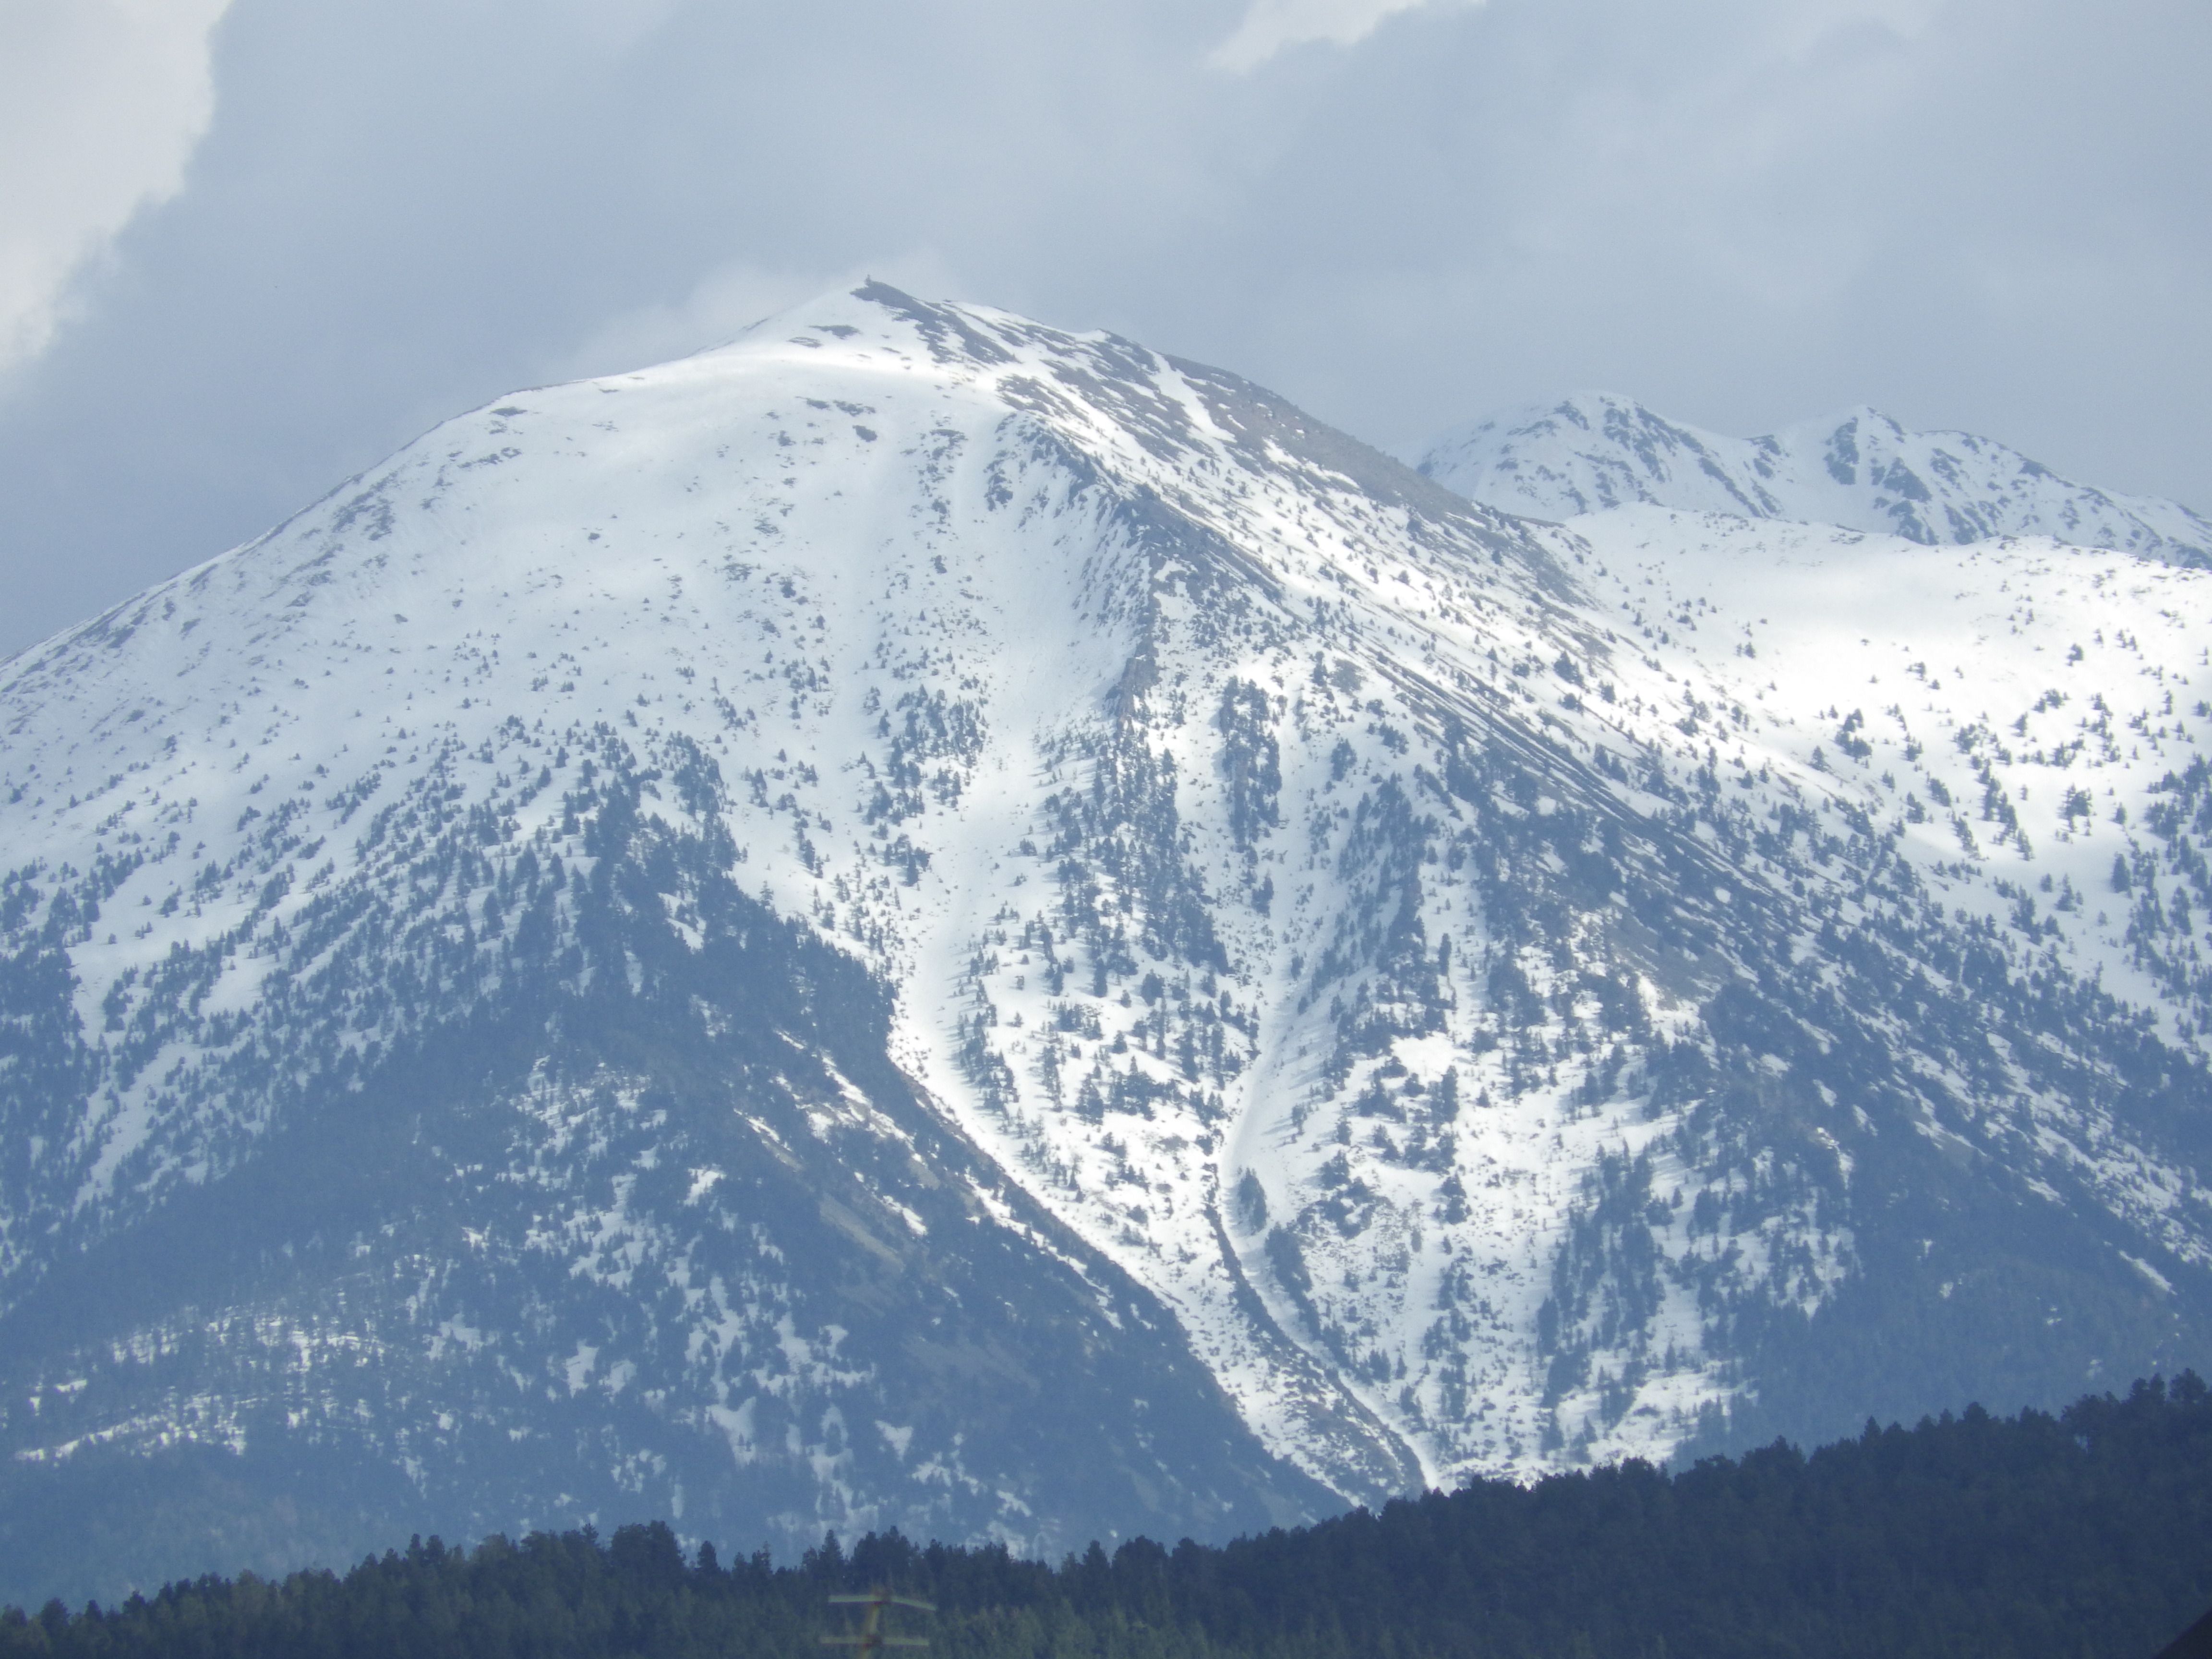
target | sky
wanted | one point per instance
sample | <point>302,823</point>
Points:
<point>248,248</point>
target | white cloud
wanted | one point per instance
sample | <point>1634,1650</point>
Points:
<point>1272,24</point>
<point>101,105</point>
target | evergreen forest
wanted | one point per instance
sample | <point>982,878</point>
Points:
<point>2081,1534</point>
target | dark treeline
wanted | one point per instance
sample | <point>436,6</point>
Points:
<point>2081,1535</point>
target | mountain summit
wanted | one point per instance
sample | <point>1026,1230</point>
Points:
<point>926,921</point>
<point>1860,470</point>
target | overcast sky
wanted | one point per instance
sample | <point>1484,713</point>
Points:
<point>248,248</point>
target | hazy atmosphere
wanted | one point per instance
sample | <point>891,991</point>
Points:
<point>246,249</point>
<point>745,875</point>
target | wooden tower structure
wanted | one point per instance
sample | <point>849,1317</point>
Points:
<point>871,1638</point>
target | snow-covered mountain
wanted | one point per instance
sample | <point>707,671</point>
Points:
<point>925,921</point>
<point>1859,470</point>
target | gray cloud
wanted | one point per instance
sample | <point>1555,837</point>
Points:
<point>1968,213</point>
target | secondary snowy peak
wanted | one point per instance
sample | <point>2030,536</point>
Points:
<point>1859,470</point>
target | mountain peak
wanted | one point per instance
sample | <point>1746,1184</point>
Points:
<point>1858,468</point>
<point>923,920</point>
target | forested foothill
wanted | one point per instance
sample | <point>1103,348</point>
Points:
<point>2082,1535</point>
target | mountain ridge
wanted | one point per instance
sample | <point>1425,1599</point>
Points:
<point>1860,470</point>
<point>1439,994</point>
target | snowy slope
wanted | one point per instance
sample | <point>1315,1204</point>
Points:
<point>1511,994</point>
<point>1860,470</point>
<point>2023,720</point>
